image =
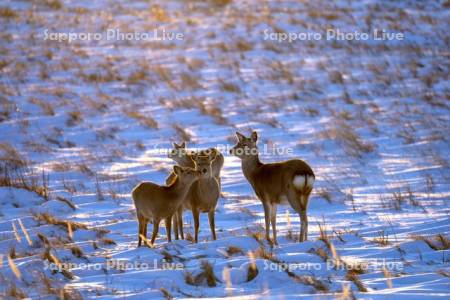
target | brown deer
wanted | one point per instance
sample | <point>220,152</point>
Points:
<point>154,202</point>
<point>203,194</point>
<point>182,157</point>
<point>275,183</point>
<point>198,202</point>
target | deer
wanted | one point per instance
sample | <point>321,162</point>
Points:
<point>198,202</point>
<point>182,157</point>
<point>289,181</point>
<point>155,202</point>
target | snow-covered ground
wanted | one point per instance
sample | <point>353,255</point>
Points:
<point>82,122</point>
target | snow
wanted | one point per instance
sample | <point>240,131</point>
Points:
<point>88,120</point>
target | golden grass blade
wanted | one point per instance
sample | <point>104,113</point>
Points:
<point>16,232</point>
<point>336,257</point>
<point>145,241</point>
<point>387,275</point>
<point>288,219</point>
<point>346,292</point>
<point>69,230</point>
<point>25,232</point>
<point>227,276</point>
<point>14,268</point>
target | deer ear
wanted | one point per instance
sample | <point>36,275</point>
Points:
<point>212,155</point>
<point>177,170</point>
<point>254,136</point>
<point>240,136</point>
<point>183,145</point>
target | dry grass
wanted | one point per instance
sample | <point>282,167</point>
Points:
<point>182,133</point>
<point>144,120</point>
<point>74,118</point>
<point>166,293</point>
<point>205,276</point>
<point>262,252</point>
<point>66,201</point>
<point>438,242</point>
<point>48,255</point>
<point>7,13</point>
<point>382,238</point>
<point>324,237</point>
<point>46,107</point>
<point>189,82</point>
<point>232,250</point>
<point>321,253</point>
<point>24,178</point>
<point>49,219</point>
<point>16,293</point>
<point>108,241</point>
<point>353,277</point>
<point>348,139</point>
<point>252,271</point>
<point>229,87</point>
<point>213,110</point>
<point>398,200</point>
<point>324,193</point>
<point>10,157</point>
<point>76,251</point>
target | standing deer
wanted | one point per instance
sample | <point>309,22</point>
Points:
<point>275,183</point>
<point>204,194</point>
<point>154,202</point>
<point>182,157</point>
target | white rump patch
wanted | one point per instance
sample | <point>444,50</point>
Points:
<point>310,181</point>
<point>299,182</point>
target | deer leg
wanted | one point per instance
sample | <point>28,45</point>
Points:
<point>140,230</point>
<point>144,229</point>
<point>212,225</point>
<point>155,230</point>
<point>273,220</point>
<point>175,225</point>
<point>301,227</point>
<point>267,219</point>
<point>180,222</point>
<point>168,222</point>
<point>196,215</point>
<point>304,224</point>
<point>304,205</point>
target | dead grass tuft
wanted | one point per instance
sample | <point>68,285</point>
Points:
<point>182,133</point>
<point>205,276</point>
<point>382,238</point>
<point>49,219</point>
<point>348,139</point>
<point>24,178</point>
<point>76,251</point>
<point>16,293</point>
<point>10,157</point>
<point>108,241</point>
<point>437,242</point>
<point>232,250</point>
<point>48,255</point>
<point>7,13</point>
<point>66,201</point>
<point>166,293</point>
<point>142,119</point>
<point>353,277</point>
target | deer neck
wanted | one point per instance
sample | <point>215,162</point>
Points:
<point>250,165</point>
<point>178,189</point>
